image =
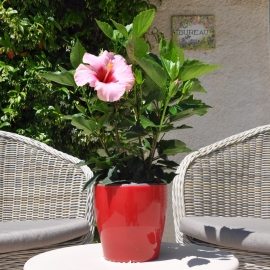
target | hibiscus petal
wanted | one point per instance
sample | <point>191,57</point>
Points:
<point>122,72</point>
<point>108,55</point>
<point>84,75</point>
<point>94,61</point>
<point>98,62</point>
<point>110,91</point>
<point>119,63</point>
<point>129,79</point>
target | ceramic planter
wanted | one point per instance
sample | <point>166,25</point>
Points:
<point>130,220</point>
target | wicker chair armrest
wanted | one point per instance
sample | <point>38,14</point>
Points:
<point>214,167</point>
<point>40,182</point>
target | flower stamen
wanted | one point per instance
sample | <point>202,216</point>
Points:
<point>109,68</point>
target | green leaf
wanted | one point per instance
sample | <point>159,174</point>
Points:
<point>154,117</point>
<point>178,50</point>
<point>121,28</point>
<point>187,86</point>
<point>63,89</point>
<point>67,117</point>
<point>112,173</point>
<point>136,48</point>
<point>117,36</point>
<point>169,127</point>
<point>145,122</point>
<point>189,107</point>
<point>180,54</point>
<point>57,25</point>
<point>11,11</point>
<point>136,129</point>
<point>77,54</point>
<point>146,144</point>
<point>103,120</point>
<point>197,87</point>
<point>171,62</point>
<point>153,70</point>
<point>169,177</point>
<point>101,152</point>
<point>106,28</point>
<point>101,106</point>
<point>168,47</point>
<point>138,76</point>
<point>4,124</point>
<point>88,126</point>
<point>184,127</point>
<point>79,164</point>
<point>62,69</point>
<point>195,69</point>
<point>154,91</point>
<point>152,95</point>
<point>65,78</point>
<point>107,181</point>
<point>168,163</point>
<point>92,181</point>
<point>7,40</point>
<point>7,110</point>
<point>172,68</point>
<point>158,171</point>
<point>183,115</point>
<point>100,164</point>
<point>21,28</point>
<point>129,27</point>
<point>172,147</point>
<point>154,57</point>
<point>81,108</point>
<point>143,21</point>
<point>173,109</point>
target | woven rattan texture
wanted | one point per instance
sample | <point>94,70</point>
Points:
<point>39,182</point>
<point>228,178</point>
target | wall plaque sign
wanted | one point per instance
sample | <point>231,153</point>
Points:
<point>192,32</point>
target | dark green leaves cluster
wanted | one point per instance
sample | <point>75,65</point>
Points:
<point>35,38</point>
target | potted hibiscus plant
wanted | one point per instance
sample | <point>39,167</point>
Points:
<point>129,102</point>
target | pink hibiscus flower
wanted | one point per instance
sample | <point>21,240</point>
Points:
<point>109,74</point>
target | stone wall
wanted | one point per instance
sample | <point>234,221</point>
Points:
<point>239,90</point>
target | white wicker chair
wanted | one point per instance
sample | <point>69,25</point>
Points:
<point>38,182</point>
<point>230,178</point>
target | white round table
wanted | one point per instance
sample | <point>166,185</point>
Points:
<point>172,256</point>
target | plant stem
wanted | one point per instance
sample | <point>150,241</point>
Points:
<point>86,99</point>
<point>104,147</point>
<point>163,113</point>
<point>89,108</point>
<point>137,111</point>
<point>153,150</point>
<point>156,136</point>
<point>116,126</point>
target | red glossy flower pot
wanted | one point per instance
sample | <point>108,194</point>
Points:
<point>130,221</point>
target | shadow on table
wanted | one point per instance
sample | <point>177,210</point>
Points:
<point>199,255</point>
<point>197,262</point>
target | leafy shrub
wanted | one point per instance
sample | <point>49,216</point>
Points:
<point>36,36</point>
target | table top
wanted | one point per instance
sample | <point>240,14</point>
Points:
<point>172,256</point>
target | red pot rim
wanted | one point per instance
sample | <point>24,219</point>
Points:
<point>133,185</point>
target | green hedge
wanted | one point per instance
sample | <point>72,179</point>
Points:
<point>36,36</point>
